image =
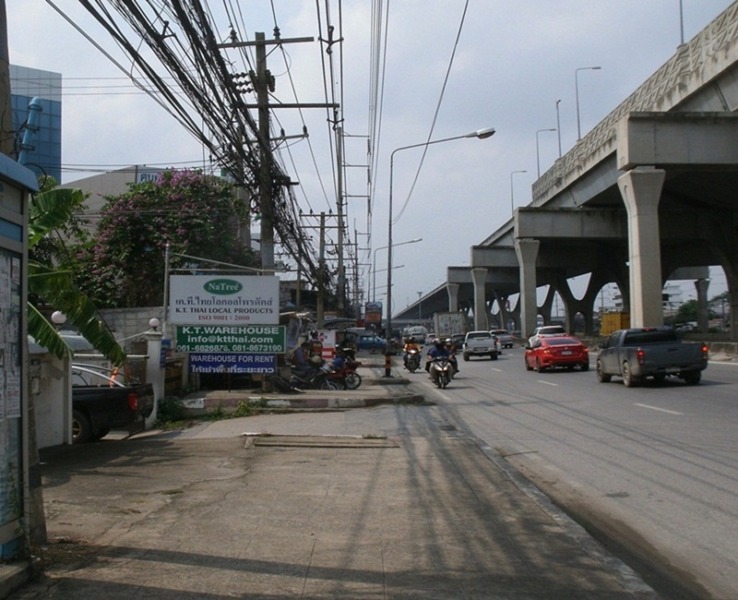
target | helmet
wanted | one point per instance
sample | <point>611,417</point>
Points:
<point>448,341</point>
<point>438,343</point>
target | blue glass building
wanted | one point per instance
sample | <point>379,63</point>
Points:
<point>42,152</point>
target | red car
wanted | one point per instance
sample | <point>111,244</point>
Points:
<point>559,351</point>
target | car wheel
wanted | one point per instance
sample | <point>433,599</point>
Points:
<point>101,433</point>
<point>585,366</point>
<point>466,357</point>
<point>540,368</point>
<point>628,379</point>
<point>692,377</point>
<point>527,366</point>
<point>602,377</point>
<point>659,379</point>
<point>81,427</point>
<point>493,356</point>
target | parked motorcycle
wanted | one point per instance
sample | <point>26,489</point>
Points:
<point>316,379</point>
<point>441,371</point>
<point>413,361</point>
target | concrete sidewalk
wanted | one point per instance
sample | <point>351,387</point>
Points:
<point>379,502</point>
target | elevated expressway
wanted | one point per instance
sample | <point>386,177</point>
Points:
<point>649,195</point>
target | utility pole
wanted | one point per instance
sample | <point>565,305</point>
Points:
<point>320,303</point>
<point>341,268</point>
<point>6,120</point>
<point>263,83</point>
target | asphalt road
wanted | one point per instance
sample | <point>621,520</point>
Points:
<point>652,469</point>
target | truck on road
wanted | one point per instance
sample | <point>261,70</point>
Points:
<point>650,352</point>
<point>102,401</point>
<point>447,324</point>
<point>480,343</point>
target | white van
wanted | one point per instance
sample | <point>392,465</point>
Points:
<point>416,331</point>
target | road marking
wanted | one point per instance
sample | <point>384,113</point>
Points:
<point>671,412</point>
<point>496,370</point>
<point>548,383</point>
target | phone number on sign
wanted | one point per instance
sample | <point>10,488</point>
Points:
<point>245,348</point>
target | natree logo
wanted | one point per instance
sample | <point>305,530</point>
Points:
<point>223,287</point>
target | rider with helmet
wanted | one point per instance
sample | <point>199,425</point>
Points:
<point>438,350</point>
<point>451,347</point>
<point>410,345</point>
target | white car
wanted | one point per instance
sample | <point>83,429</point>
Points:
<point>546,331</point>
<point>481,343</point>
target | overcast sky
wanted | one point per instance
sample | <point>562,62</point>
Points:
<point>513,61</point>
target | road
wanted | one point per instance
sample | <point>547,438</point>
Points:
<point>652,468</point>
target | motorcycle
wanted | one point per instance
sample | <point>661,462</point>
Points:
<point>346,375</point>
<point>441,371</point>
<point>317,379</point>
<point>413,361</point>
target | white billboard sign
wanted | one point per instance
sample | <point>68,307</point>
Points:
<point>223,300</point>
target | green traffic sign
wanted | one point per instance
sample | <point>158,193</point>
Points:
<point>257,339</point>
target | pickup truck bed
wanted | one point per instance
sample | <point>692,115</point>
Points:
<point>655,352</point>
<point>480,343</point>
<point>110,404</point>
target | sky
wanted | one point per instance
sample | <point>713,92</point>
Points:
<point>512,62</point>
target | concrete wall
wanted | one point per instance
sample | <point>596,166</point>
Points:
<point>52,400</point>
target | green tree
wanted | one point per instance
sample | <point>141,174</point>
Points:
<point>52,287</point>
<point>687,312</point>
<point>123,266</point>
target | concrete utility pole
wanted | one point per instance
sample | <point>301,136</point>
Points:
<point>320,304</point>
<point>263,83</point>
<point>6,117</point>
<point>341,288</point>
<point>266,202</point>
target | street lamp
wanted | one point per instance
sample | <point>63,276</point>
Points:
<point>538,152</point>
<point>558,124</point>
<point>512,191</point>
<point>576,91</point>
<point>480,134</point>
<point>374,264</point>
<point>420,312</point>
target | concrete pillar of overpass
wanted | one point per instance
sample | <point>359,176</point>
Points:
<point>479,277</point>
<point>526,250</point>
<point>453,296</point>
<point>733,306</point>
<point>703,316</point>
<point>641,190</point>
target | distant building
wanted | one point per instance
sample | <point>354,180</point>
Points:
<point>111,183</point>
<point>43,155</point>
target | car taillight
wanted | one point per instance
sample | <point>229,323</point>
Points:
<point>705,350</point>
<point>640,355</point>
<point>133,400</point>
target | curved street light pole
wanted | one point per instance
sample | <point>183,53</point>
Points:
<point>374,264</point>
<point>512,191</point>
<point>480,134</point>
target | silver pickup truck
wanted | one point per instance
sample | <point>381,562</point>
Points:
<point>656,352</point>
<point>481,343</point>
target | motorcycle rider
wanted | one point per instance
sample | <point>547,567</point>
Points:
<point>410,345</point>
<point>451,347</point>
<point>302,365</point>
<point>438,350</point>
<point>339,360</point>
